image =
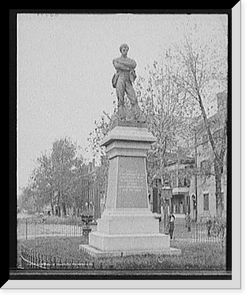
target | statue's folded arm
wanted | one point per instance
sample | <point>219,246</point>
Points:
<point>125,65</point>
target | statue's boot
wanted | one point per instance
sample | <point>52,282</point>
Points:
<point>122,112</point>
<point>138,116</point>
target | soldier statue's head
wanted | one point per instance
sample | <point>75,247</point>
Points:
<point>124,48</point>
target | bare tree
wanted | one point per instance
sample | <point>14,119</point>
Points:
<point>97,135</point>
<point>166,106</point>
<point>200,68</point>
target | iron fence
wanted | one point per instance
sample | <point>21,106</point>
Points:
<point>199,232</point>
<point>204,233</point>
<point>31,259</point>
<point>32,228</point>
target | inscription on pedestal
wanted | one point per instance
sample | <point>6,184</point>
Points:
<point>131,181</point>
<point>132,187</point>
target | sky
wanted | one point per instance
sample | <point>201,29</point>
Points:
<point>64,70</point>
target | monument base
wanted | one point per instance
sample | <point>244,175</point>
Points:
<point>103,254</point>
<point>123,233</point>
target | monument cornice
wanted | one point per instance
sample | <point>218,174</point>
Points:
<point>130,134</point>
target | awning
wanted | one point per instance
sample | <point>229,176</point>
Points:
<point>180,191</point>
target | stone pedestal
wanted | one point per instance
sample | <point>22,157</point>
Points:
<point>127,226</point>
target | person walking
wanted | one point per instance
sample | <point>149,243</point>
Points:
<point>186,220</point>
<point>209,226</point>
<point>171,225</point>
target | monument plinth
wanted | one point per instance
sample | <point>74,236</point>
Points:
<point>127,226</point>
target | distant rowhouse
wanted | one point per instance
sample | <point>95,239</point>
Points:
<point>192,177</point>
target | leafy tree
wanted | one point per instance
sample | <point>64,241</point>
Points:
<point>27,200</point>
<point>65,168</point>
<point>57,178</point>
<point>43,181</point>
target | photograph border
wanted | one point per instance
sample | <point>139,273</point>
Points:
<point>142,279</point>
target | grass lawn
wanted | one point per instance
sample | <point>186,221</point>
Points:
<point>194,256</point>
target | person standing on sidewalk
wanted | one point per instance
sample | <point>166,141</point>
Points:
<point>171,225</point>
<point>189,222</point>
<point>186,220</point>
<point>209,226</point>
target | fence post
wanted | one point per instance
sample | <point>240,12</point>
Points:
<point>31,259</point>
<point>36,260</point>
<point>60,263</point>
<point>55,263</point>
<point>24,255</point>
<point>41,261</point>
<point>46,261</point>
<point>21,256</point>
<point>51,262</point>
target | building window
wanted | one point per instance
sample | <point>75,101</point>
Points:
<point>206,201</point>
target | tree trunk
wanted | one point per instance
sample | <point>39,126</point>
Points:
<point>58,205</point>
<point>218,193</point>
<point>64,209</point>
<point>218,161</point>
<point>52,208</point>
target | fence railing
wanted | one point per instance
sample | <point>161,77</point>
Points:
<point>197,232</point>
<point>27,229</point>
<point>203,233</point>
<point>31,259</point>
